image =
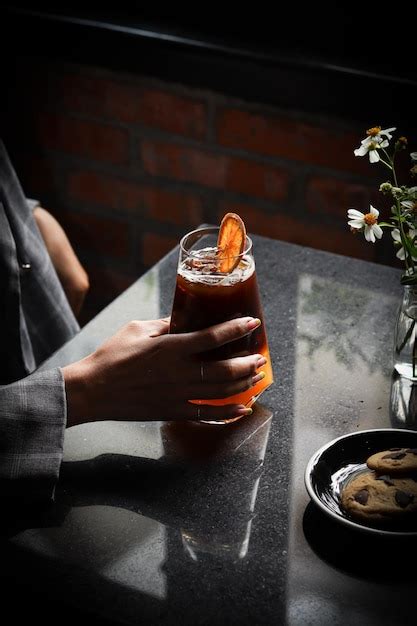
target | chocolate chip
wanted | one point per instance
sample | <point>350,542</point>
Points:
<point>412,450</point>
<point>387,480</point>
<point>362,496</point>
<point>403,499</point>
<point>395,455</point>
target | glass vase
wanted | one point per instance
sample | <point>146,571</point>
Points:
<point>405,335</point>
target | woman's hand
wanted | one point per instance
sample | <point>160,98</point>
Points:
<point>145,373</point>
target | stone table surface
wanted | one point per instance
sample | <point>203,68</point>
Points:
<point>167,523</point>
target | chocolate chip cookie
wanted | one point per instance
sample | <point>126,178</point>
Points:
<point>394,461</point>
<point>379,497</point>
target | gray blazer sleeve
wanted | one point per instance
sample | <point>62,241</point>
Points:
<point>32,204</point>
<point>32,428</point>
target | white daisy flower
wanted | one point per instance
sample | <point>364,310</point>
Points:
<point>368,222</point>
<point>374,142</point>
<point>397,237</point>
<point>409,205</point>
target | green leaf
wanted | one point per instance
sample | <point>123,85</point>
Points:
<point>411,248</point>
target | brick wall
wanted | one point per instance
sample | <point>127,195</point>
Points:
<point>129,164</point>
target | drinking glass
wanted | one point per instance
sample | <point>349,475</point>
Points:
<point>204,296</point>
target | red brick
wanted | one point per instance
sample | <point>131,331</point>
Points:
<point>174,207</point>
<point>86,139</point>
<point>214,170</point>
<point>173,113</point>
<point>293,230</point>
<point>163,205</point>
<point>106,191</point>
<point>154,247</point>
<point>331,196</point>
<point>92,95</point>
<point>133,104</point>
<point>283,137</point>
<point>96,234</point>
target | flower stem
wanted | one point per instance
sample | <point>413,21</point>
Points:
<point>385,163</point>
<point>406,338</point>
<point>408,259</point>
<point>389,163</point>
<point>407,256</point>
<point>414,357</point>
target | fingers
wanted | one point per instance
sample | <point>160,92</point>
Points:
<point>220,379</point>
<point>219,371</point>
<point>221,390</point>
<point>218,335</point>
<point>206,412</point>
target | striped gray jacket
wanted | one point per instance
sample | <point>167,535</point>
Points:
<point>35,320</point>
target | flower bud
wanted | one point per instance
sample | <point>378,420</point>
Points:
<point>401,143</point>
<point>396,191</point>
<point>385,188</point>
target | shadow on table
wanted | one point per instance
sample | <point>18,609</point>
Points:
<point>203,490</point>
<point>357,553</point>
<point>205,484</point>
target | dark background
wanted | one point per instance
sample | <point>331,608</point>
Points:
<point>135,124</point>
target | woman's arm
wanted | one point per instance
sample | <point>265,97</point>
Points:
<point>73,277</point>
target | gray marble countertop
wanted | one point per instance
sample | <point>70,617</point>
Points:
<point>163,523</point>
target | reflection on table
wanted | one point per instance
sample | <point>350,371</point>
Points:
<point>403,402</point>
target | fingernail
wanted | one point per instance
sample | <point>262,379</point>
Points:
<point>253,323</point>
<point>261,361</point>
<point>258,377</point>
<point>244,411</point>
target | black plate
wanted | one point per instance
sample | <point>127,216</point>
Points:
<point>340,460</point>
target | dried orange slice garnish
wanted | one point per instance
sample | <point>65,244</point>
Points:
<point>231,242</point>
